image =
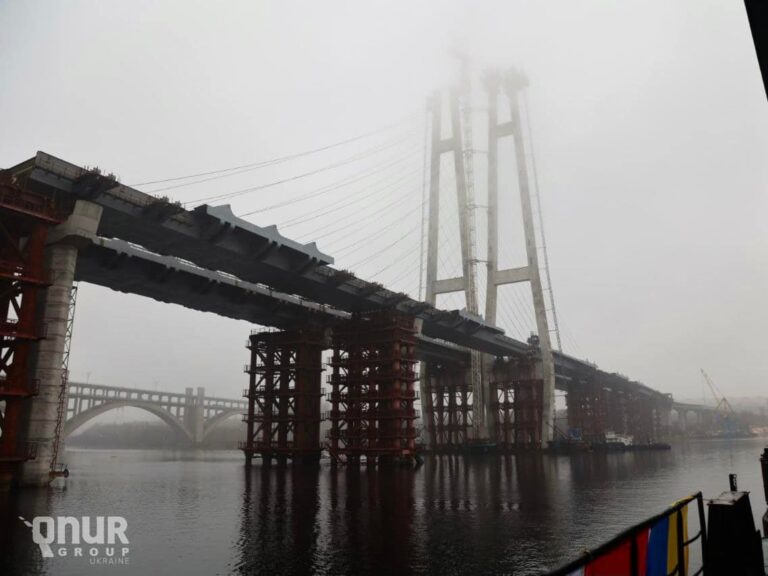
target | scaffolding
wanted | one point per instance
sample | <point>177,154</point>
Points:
<point>284,392</point>
<point>587,407</point>
<point>25,219</point>
<point>643,418</point>
<point>372,389</point>
<point>519,406</point>
<point>449,418</point>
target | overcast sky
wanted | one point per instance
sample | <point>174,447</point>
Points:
<point>649,120</point>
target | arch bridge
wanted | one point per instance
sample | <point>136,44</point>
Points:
<point>193,416</point>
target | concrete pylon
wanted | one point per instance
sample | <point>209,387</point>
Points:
<point>513,83</point>
<point>60,259</point>
<point>454,145</point>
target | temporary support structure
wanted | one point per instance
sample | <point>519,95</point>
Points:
<point>586,403</point>
<point>518,404</point>
<point>643,417</point>
<point>283,419</point>
<point>449,418</point>
<point>25,219</point>
<point>372,389</point>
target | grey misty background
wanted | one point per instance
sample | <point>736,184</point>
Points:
<point>649,123</point>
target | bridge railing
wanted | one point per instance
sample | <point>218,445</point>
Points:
<point>98,394</point>
<point>261,389</point>
<point>660,544</point>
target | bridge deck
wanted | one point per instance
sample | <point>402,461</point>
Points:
<point>208,259</point>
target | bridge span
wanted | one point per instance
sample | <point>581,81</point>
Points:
<point>69,223</point>
<point>192,415</point>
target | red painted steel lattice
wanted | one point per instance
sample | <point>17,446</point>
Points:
<point>519,405</point>
<point>448,416</point>
<point>587,409</point>
<point>284,392</point>
<point>372,395</point>
<point>24,222</point>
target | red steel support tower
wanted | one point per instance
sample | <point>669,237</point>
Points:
<point>587,407</point>
<point>616,409</point>
<point>643,419</point>
<point>24,222</point>
<point>450,416</point>
<point>372,381</point>
<point>284,395</point>
<point>519,405</point>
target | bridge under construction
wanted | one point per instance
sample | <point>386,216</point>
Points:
<point>377,364</point>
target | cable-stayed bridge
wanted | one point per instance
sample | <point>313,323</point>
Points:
<point>396,331</point>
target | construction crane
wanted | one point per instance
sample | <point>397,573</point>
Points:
<point>723,407</point>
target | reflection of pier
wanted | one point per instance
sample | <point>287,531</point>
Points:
<point>451,516</point>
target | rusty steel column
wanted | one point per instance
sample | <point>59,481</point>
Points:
<point>764,468</point>
<point>338,399</point>
<point>308,392</point>
<point>247,446</point>
<point>503,389</point>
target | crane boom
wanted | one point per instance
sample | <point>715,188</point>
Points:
<point>722,402</point>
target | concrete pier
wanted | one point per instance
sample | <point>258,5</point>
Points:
<point>194,418</point>
<point>60,261</point>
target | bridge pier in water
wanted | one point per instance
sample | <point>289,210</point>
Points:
<point>194,417</point>
<point>602,402</point>
<point>283,419</point>
<point>38,267</point>
<point>515,409</point>
<point>373,389</point>
<point>519,390</point>
<point>45,420</point>
<point>25,221</point>
<point>446,404</point>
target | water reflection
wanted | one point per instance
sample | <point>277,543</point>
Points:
<point>18,554</point>
<point>455,515</point>
<point>278,532</point>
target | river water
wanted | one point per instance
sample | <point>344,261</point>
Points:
<point>203,513</point>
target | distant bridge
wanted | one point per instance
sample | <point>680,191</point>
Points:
<point>193,416</point>
<point>703,415</point>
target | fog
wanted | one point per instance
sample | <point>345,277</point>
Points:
<point>649,123</point>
